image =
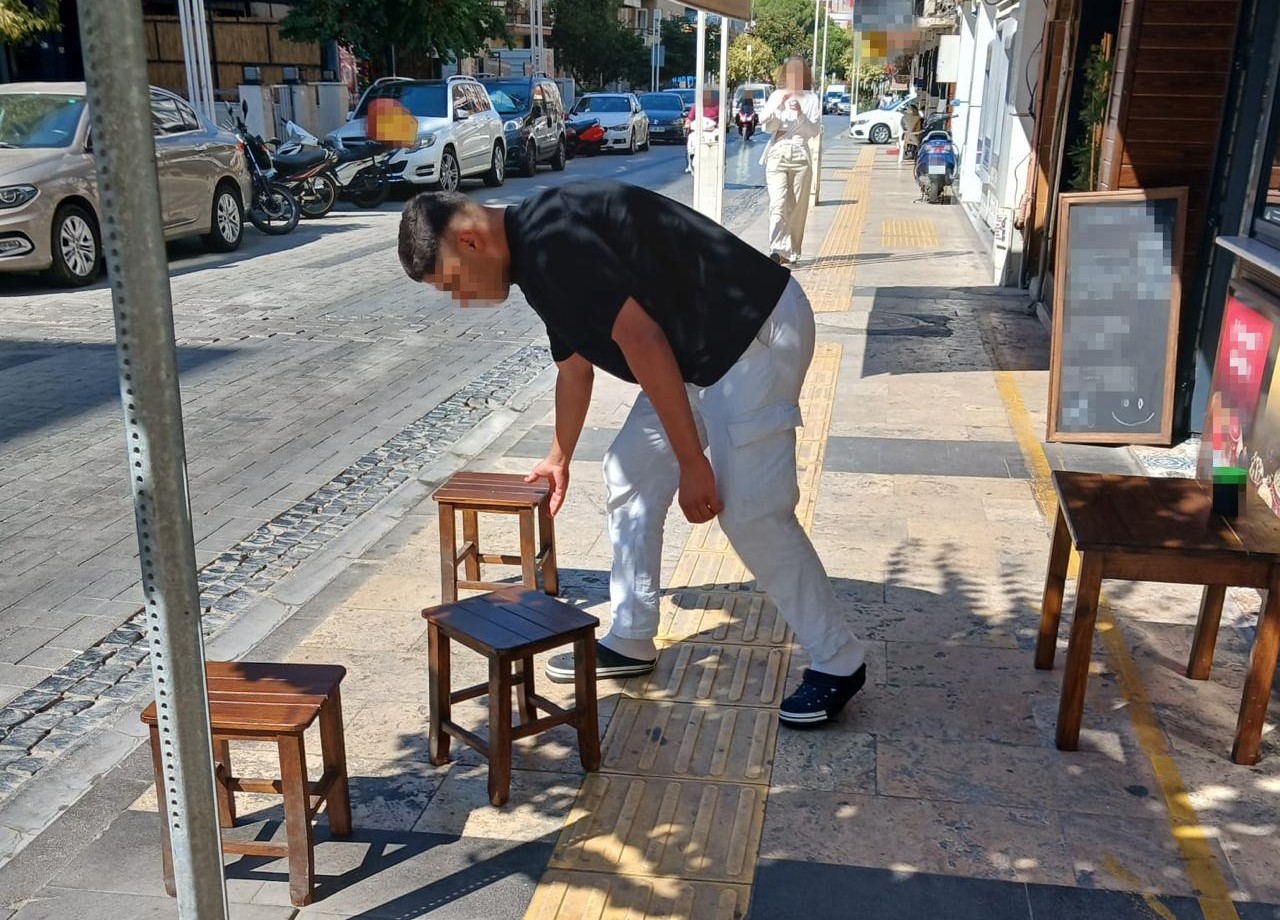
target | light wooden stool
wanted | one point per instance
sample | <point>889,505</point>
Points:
<point>495,493</point>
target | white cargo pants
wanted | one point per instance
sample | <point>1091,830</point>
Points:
<point>749,420</point>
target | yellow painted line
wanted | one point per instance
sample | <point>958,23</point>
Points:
<point>1190,835</point>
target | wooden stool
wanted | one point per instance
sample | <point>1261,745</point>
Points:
<point>509,627</point>
<point>272,702</point>
<point>495,493</point>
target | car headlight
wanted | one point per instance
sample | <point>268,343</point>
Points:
<point>620,128</point>
<point>15,196</point>
<point>425,140</point>
<point>512,124</point>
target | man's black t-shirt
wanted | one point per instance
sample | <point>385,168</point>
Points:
<point>579,251</point>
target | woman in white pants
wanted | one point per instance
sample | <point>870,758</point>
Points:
<point>792,116</point>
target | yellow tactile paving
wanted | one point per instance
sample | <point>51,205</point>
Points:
<point>909,233</point>
<point>828,280</point>
<point>664,828</point>
<point>670,828</point>
<point>600,896</point>
<point>691,741</point>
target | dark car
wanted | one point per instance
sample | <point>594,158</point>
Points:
<point>533,120</point>
<point>666,116</point>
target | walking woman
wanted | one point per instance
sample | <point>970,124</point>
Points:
<point>792,115</point>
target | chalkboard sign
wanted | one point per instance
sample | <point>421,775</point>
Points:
<point>1115,316</point>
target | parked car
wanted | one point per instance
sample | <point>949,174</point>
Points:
<point>881,125</point>
<point>831,98</point>
<point>843,104</point>
<point>687,96</point>
<point>533,121</point>
<point>666,116</point>
<point>626,127</point>
<point>460,135</point>
<point>49,209</point>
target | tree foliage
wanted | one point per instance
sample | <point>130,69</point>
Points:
<point>21,21</point>
<point>594,46</point>
<point>680,39</point>
<point>786,26</point>
<point>751,60</point>
<point>450,28</point>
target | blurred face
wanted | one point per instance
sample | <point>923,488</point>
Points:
<point>468,267</point>
<point>793,75</point>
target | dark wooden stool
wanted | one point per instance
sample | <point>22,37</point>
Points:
<point>251,701</point>
<point>1164,530</point>
<point>495,493</point>
<point>509,627</point>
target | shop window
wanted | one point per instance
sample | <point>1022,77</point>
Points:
<point>1266,225</point>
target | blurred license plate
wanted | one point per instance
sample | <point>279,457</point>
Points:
<point>937,169</point>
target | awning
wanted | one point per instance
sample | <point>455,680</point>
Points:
<point>733,9</point>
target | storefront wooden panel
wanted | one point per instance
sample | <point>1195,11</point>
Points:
<point>1200,108</point>
<point>244,42</point>
<point>1191,12</point>
<point>1166,147</point>
<point>1205,37</point>
<point>1176,85</point>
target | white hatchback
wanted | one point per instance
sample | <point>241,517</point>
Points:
<point>880,126</point>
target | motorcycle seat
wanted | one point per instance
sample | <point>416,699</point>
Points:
<point>359,150</point>
<point>304,159</point>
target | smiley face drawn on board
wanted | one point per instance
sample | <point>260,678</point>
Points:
<point>1133,412</point>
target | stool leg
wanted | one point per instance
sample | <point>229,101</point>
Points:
<point>226,798</point>
<point>1079,650</point>
<point>471,534</point>
<point>547,535</point>
<point>584,701</point>
<point>1054,583</point>
<point>1257,684</point>
<point>524,691</point>
<point>1206,638</point>
<point>333,749</point>
<point>162,801</point>
<point>448,554</point>
<point>297,818</point>
<point>438,702</point>
<point>499,730</point>
<point>528,553</point>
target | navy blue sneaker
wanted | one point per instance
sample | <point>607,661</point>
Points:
<point>609,664</point>
<point>820,697</point>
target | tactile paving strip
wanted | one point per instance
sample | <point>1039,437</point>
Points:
<point>703,672</point>
<point>596,896</point>
<point>740,618</point>
<point>691,740</point>
<point>828,280</point>
<point>668,828</point>
<point>909,233</point>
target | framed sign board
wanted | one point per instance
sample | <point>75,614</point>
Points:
<point>1115,316</point>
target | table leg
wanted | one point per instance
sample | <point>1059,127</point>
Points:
<point>162,800</point>
<point>226,798</point>
<point>448,554</point>
<point>333,750</point>
<point>1054,583</point>
<point>1206,637</point>
<point>297,818</point>
<point>525,690</point>
<point>499,730</point>
<point>547,533</point>
<point>528,552</point>
<point>584,674</point>
<point>471,534</point>
<point>439,705</point>
<point>1257,684</point>
<point>1079,651</point>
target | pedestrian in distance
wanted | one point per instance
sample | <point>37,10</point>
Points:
<point>718,338</point>
<point>792,115</point>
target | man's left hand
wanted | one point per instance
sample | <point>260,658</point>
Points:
<point>699,499</point>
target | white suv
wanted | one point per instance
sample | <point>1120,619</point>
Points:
<point>460,136</point>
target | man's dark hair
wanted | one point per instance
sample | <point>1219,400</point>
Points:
<point>422,222</point>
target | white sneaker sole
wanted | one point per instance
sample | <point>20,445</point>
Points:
<point>567,676</point>
<point>808,718</point>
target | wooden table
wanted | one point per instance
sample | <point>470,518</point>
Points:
<point>1164,530</point>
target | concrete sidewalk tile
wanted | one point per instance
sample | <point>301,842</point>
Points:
<point>839,759</point>
<point>61,903</point>
<point>373,676</point>
<point>917,835</point>
<point>538,805</point>
<point>945,714</point>
<point>1133,855</point>
<point>566,895</point>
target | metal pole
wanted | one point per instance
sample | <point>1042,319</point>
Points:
<point>813,66</point>
<point>204,66</point>
<point>717,207</point>
<point>699,87</point>
<point>119,102</point>
<point>826,28</point>
<point>188,50</point>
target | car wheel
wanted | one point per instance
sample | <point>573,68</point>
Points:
<point>77,250</point>
<point>497,173</point>
<point>450,174</point>
<point>631,142</point>
<point>529,168</point>
<point>880,134</point>
<point>226,225</point>
<point>645,145</point>
<point>558,161</point>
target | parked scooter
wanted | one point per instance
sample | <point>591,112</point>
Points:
<point>357,169</point>
<point>936,163</point>
<point>273,208</point>
<point>911,140</point>
<point>746,119</point>
<point>583,135</point>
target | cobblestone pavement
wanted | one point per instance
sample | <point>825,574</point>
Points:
<point>316,380</point>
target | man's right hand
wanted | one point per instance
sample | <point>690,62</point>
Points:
<point>556,472</point>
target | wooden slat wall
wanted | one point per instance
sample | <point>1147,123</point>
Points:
<point>1056,33</point>
<point>1175,84</point>
<point>234,44</point>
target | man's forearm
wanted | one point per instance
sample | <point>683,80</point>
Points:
<point>573,398</point>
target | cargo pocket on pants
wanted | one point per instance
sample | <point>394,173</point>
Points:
<point>758,475</point>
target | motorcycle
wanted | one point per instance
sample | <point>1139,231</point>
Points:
<point>935,166</point>
<point>358,170</point>
<point>710,137</point>
<point>746,119</point>
<point>582,134</point>
<point>273,209</point>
